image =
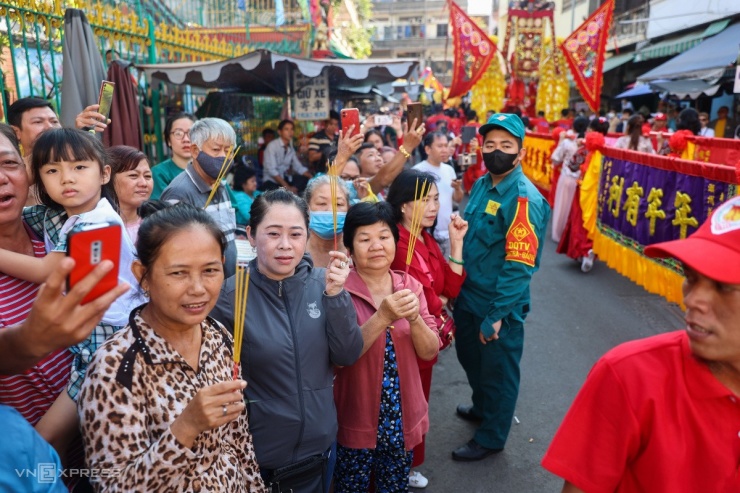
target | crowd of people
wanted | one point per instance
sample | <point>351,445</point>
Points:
<point>356,284</point>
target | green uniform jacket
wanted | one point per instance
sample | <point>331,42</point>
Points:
<point>162,174</point>
<point>503,246</point>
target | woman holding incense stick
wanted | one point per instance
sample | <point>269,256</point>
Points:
<point>381,408</point>
<point>441,278</point>
<point>299,324</point>
<point>159,405</point>
<point>318,196</point>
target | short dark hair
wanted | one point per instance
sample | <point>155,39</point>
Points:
<point>262,203</point>
<point>242,173</point>
<point>161,221</point>
<point>540,113</point>
<point>268,131</point>
<point>580,125</point>
<point>333,115</point>
<point>628,111</point>
<point>67,144</point>
<point>600,125</point>
<point>124,158</point>
<point>366,214</point>
<point>171,121</point>
<point>364,147</point>
<point>20,106</point>
<point>283,123</point>
<point>564,112</point>
<point>688,119</point>
<point>404,189</point>
<point>373,131</point>
<point>9,134</point>
<point>432,136</point>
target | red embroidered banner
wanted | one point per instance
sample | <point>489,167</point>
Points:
<point>584,51</point>
<point>473,52</point>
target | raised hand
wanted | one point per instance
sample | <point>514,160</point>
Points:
<point>336,273</point>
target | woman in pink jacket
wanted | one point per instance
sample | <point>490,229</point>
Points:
<point>381,409</point>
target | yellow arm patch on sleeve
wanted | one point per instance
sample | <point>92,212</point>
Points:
<point>521,239</point>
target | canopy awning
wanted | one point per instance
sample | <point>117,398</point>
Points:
<point>637,90</point>
<point>267,73</point>
<point>678,45</point>
<point>617,61</point>
<point>692,88</point>
<point>707,60</point>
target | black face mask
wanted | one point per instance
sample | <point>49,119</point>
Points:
<point>499,162</point>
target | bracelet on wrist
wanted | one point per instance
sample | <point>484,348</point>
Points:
<point>456,261</point>
<point>403,151</point>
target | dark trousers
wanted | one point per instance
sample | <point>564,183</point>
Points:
<point>493,374</point>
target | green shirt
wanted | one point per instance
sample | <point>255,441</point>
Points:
<point>163,174</point>
<point>502,247</point>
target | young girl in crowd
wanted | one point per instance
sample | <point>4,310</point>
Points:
<point>73,180</point>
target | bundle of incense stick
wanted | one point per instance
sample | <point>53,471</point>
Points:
<point>333,172</point>
<point>417,214</point>
<point>240,312</point>
<point>228,160</point>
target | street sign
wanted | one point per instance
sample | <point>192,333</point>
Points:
<point>311,97</point>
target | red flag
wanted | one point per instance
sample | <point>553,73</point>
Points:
<point>584,51</point>
<point>473,52</point>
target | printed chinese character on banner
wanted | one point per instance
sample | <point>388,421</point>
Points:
<point>311,97</point>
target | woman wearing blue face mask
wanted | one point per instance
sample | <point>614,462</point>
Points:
<point>321,219</point>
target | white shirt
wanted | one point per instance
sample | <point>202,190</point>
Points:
<point>445,175</point>
<point>706,132</point>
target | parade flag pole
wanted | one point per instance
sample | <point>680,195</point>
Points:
<point>584,51</point>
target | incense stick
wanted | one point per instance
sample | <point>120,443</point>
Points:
<point>333,172</point>
<point>228,160</point>
<point>240,312</point>
<point>417,214</point>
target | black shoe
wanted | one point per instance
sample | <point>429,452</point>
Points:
<point>466,413</point>
<point>472,451</point>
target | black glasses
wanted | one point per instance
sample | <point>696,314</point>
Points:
<point>180,134</point>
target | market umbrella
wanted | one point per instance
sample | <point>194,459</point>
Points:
<point>82,67</point>
<point>125,125</point>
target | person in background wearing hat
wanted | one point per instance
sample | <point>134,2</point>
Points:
<point>663,413</point>
<point>660,123</point>
<point>507,220</point>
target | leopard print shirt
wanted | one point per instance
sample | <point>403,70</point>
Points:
<point>126,426</point>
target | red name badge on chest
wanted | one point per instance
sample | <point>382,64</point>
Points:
<point>521,240</point>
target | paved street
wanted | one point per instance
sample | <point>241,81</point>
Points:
<point>576,317</point>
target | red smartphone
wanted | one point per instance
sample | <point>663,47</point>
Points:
<point>414,111</point>
<point>350,116</point>
<point>90,244</point>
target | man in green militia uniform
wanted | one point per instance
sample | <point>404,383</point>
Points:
<point>507,218</point>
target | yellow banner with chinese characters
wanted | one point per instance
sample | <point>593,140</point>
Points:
<point>631,200</point>
<point>536,163</point>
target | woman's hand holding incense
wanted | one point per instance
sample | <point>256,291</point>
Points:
<point>336,273</point>
<point>212,406</point>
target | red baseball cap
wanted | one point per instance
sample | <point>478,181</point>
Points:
<point>660,117</point>
<point>714,249</point>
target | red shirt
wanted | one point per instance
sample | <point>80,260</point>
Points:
<point>32,392</point>
<point>650,418</point>
<point>357,387</point>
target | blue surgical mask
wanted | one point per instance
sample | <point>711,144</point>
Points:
<point>322,223</point>
<point>352,195</point>
<point>209,164</point>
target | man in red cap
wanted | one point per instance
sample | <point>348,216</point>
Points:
<point>663,413</point>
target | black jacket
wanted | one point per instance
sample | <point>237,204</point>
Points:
<point>294,334</point>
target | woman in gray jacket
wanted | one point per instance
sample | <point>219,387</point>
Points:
<point>300,322</point>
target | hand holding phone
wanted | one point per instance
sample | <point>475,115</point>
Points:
<point>88,245</point>
<point>350,117</point>
<point>414,111</point>
<point>106,97</point>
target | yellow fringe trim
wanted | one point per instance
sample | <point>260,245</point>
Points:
<point>649,274</point>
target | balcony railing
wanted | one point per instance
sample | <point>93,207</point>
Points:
<point>408,43</point>
<point>629,27</point>
<point>410,6</point>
